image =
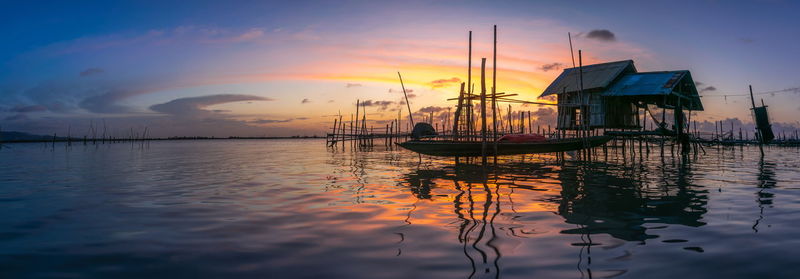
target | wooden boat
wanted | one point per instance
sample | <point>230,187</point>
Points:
<point>473,148</point>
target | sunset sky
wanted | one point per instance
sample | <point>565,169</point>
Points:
<point>255,68</point>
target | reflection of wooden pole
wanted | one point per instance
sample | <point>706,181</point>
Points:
<point>410,117</point>
<point>483,107</point>
<point>494,86</point>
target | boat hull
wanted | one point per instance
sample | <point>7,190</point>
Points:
<point>468,149</point>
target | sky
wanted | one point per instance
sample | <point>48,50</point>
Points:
<point>260,68</point>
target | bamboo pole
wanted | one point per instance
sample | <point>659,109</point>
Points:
<point>333,133</point>
<point>457,116</point>
<point>104,130</point>
<point>584,112</point>
<point>470,89</point>
<point>470,114</point>
<point>363,128</point>
<point>494,86</point>
<point>410,116</point>
<point>530,123</point>
<point>483,108</point>
<point>355,130</point>
<point>341,123</point>
<point>510,124</point>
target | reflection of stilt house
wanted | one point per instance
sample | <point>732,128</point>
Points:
<point>613,93</point>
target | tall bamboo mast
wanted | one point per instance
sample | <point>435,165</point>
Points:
<point>494,86</point>
<point>469,87</point>
<point>483,107</point>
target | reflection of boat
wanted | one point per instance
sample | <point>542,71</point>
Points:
<point>452,148</point>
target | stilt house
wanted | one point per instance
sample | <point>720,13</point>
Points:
<point>613,93</point>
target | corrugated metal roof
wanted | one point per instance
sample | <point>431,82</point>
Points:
<point>594,76</point>
<point>651,83</point>
<point>656,83</point>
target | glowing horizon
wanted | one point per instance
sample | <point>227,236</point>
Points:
<point>289,73</point>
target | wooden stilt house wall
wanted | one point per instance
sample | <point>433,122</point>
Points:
<point>613,94</point>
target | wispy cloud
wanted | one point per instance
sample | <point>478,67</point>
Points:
<point>16,117</point>
<point>382,105</point>
<point>91,71</point>
<point>194,106</point>
<point>270,121</point>
<point>445,82</point>
<point>408,90</point>
<point>551,67</point>
<point>28,108</point>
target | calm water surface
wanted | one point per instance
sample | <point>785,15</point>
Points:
<point>296,209</point>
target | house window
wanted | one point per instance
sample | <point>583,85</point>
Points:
<point>576,116</point>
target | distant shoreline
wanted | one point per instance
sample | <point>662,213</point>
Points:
<point>107,140</point>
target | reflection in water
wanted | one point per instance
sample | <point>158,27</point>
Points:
<point>766,181</point>
<point>602,199</point>
<point>476,206</point>
<point>294,209</point>
<point>596,197</point>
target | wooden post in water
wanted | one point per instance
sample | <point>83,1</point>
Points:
<point>333,133</point>
<point>336,128</point>
<point>483,109</point>
<point>469,88</point>
<point>354,127</point>
<point>510,123</point>
<point>530,123</point>
<point>584,115</point>
<point>457,117</point>
<point>343,131</point>
<point>494,86</point>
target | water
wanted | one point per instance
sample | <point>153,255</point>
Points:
<point>294,209</point>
